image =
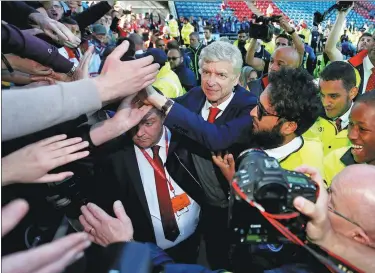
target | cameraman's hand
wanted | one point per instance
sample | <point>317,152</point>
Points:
<point>226,165</point>
<point>104,229</point>
<point>33,162</point>
<point>284,24</point>
<point>318,229</point>
<point>28,66</point>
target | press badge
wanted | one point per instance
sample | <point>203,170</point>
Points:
<point>180,204</point>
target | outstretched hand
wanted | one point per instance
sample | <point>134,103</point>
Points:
<point>226,164</point>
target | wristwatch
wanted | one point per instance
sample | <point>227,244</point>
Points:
<point>71,72</point>
<point>291,32</point>
<point>164,109</point>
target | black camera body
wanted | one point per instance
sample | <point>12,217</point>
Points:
<point>263,29</point>
<point>264,181</point>
<point>340,6</point>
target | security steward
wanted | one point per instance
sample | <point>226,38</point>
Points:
<point>361,135</point>
<point>338,88</point>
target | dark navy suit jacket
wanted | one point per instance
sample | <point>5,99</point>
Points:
<point>191,134</point>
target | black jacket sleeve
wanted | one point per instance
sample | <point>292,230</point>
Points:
<point>92,14</point>
<point>16,13</point>
<point>31,47</point>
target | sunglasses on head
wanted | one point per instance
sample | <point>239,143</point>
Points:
<point>173,58</point>
<point>262,112</point>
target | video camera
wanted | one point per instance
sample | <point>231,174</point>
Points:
<point>263,28</point>
<point>265,182</point>
<point>340,6</point>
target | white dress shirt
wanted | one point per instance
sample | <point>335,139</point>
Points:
<point>367,66</point>
<point>206,107</point>
<point>345,118</point>
<point>187,219</point>
<point>283,151</point>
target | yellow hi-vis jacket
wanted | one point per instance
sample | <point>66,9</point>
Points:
<point>326,131</point>
<point>311,154</point>
<point>168,82</point>
<point>185,32</point>
<point>173,28</point>
<point>335,162</point>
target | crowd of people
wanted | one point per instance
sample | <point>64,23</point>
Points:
<point>120,128</point>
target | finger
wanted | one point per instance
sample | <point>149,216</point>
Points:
<point>69,149</point>
<point>147,83</point>
<point>142,62</point>
<point>150,69</point>
<point>231,161</point>
<point>313,173</point>
<point>71,256</point>
<point>119,210</point>
<point>60,161</point>
<point>145,109</point>
<point>47,141</point>
<point>89,217</point>
<point>12,215</point>
<point>54,177</point>
<point>119,51</point>
<point>151,76</point>
<point>50,81</point>
<point>52,35</point>
<point>64,143</point>
<point>86,226</point>
<point>38,257</point>
<point>98,213</point>
<point>61,32</point>
<point>305,206</point>
<point>219,156</point>
<point>44,72</point>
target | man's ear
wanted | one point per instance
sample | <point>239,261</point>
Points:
<point>359,235</point>
<point>353,92</point>
<point>288,128</point>
<point>236,80</point>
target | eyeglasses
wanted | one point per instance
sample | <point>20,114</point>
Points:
<point>338,213</point>
<point>262,112</point>
<point>173,58</point>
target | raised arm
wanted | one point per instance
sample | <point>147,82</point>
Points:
<point>212,136</point>
<point>256,63</point>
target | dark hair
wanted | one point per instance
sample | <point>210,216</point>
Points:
<point>367,98</point>
<point>178,50</point>
<point>158,40</point>
<point>285,36</point>
<point>208,28</point>
<point>195,34</point>
<point>173,44</point>
<point>295,97</point>
<point>340,71</point>
<point>68,21</point>
<point>366,34</point>
<point>241,31</point>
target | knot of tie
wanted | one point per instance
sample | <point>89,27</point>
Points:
<point>214,111</point>
<point>155,150</point>
<point>338,124</point>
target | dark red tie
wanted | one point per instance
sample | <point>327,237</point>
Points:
<point>338,124</point>
<point>371,81</point>
<point>168,219</point>
<point>213,113</point>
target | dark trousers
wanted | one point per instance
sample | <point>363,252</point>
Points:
<point>186,252</point>
<point>216,236</point>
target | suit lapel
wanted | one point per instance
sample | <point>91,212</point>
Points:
<point>131,167</point>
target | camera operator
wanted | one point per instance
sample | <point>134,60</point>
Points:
<point>342,220</point>
<point>361,136</point>
<point>281,41</point>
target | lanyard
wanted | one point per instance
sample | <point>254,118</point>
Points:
<point>155,165</point>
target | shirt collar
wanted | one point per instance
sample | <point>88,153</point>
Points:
<point>345,117</point>
<point>221,106</point>
<point>138,52</point>
<point>283,151</point>
<point>161,142</point>
<point>367,64</point>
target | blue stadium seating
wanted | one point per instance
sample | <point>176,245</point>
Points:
<point>205,10</point>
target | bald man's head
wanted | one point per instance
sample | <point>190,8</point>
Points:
<point>353,196</point>
<point>284,57</point>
